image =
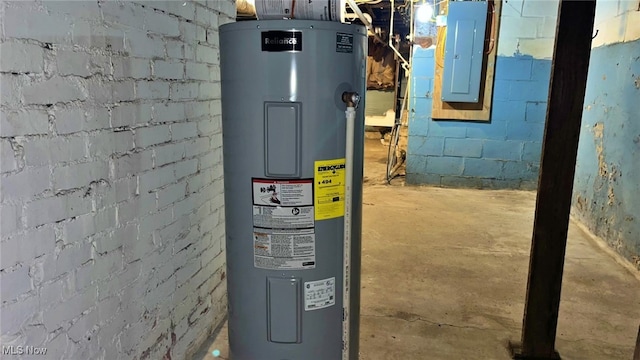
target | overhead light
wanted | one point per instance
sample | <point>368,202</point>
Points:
<point>424,13</point>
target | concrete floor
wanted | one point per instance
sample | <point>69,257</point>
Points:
<point>444,276</point>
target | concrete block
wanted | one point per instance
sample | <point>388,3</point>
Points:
<point>206,17</point>
<point>140,44</point>
<point>536,90</point>
<point>522,27</point>
<point>14,315</point>
<point>198,71</point>
<point>123,91</point>
<point>463,147</point>
<point>520,170</point>
<point>502,150</point>
<point>122,282</point>
<point>128,67</point>
<point>72,120</point>
<point>213,37</point>
<point>168,154</point>
<point>209,55</point>
<point>513,68</point>
<point>482,168</point>
<point>52,209</point>
<point>168,69</point>
<point>69,258</point>
<point>25,247</point>
<point>525,131</point>
<point>501,89</point>
<point>25,184</point>
<point>54,150</point>
<point>21,58</point>
<point>153,135</point>
<point>538,48</point>
<point>53,91</point>
<point>495,129</point>
<point>9,219</point>
<point>30,22</point>
<point>107,310</point>
<point>540,8</point>
<point>532,151</point>
<point>126,115</point>
<point>152,90</point>
<point>421,145</point>
<point>184,130</point>
<point>15,282</point>
<point>185,168</point>
<point>125,189</point>
<point>23,122</point>
<point>447,129</point>
<point>79,9</point>
<point>73,63</point>
<point>188,32</point>
<point>461,182</point>
<point>194,110</point>
<point>188,90</point>
<point>82,227</point>
<point>169,112</point>
<point>175,49</point>
<point>541,69</point>
<point>106,143</point>
<point>422,87</point>
<point>157,22</point>
<point>536,112</point>
<point>508,111</point>
<point>209,126</point>
<point>444,165</point>
<point>184,10</point>
<point>210,91</point>
<point>80,175</point>
<point>69,310</point>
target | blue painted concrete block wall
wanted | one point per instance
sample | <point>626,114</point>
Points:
<point>607,185</point>
<point>502,153</point>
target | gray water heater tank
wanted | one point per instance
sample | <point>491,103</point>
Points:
<point>284,133</point>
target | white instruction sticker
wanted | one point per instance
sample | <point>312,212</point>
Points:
<point>319,294</point>
<point>293,249</point>
<point>267,192</point>
<point>283,217</point>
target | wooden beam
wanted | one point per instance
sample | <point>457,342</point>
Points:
<point>557,169</point>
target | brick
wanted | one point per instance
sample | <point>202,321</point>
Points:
<point>463,147</point>
<point>213,37</point>
<point>23,122</point>
<point>125,13</point>
<point>69,310</point>
<point>152,135</point>
<point>25,247</point>
<point>185,168</point>
<point>194,110</point>
<point>107,143</point>
<point>107,309</point>
<point>25,184</point>
<point>503,150</point>
<point>171,194</point>
<point>185,130</point>
<point>156,178</point>
<point>140,44</point>
<point>209,126</point>
<point>87,225</point>
<point>152,90</point>
<point>83,326</point>
<point>14,283</point>
<point>444,165</point>
<point>72,120</point>
<point>52,209</point>
<point>168,69</point>
<point>14,315</point>
<point>125,188</point>
<point>9,219</point>
<point>181,91</point>
<point>120,281</point>
<point>185,10</point>
<point>84,9</point>
<point>206,17</point>
<point>9,161</point>
<point>22,58</point>
<point>209,55</point>
<point>168,154</point>
<point>53,91</point>
<point>168,112</point>
<point>79,175</point>
<point>175,49</point>
<point>55,150</point>
<point>212,159</point>
<point>73,63</point>
<point>131,68</point>
<point>69,258</point>
<point>130,114</point>
<point>131,164</point>
<point>123,91</point>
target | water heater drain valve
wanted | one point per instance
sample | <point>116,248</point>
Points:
<point>351,99</point>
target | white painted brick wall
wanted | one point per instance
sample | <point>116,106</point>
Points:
<point>110,188</point>
<point>527,27</point>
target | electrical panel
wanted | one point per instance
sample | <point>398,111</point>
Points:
<point>464,51</point>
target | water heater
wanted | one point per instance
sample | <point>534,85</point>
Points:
<point>292,239</point>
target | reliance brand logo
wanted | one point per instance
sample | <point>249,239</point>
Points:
<point>281,41</point>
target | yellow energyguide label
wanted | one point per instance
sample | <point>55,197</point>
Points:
<point>329,185</point>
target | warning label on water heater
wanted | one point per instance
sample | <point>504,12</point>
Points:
<point>284,249</point>
<point>283,224</point>
<point>319,294</point>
